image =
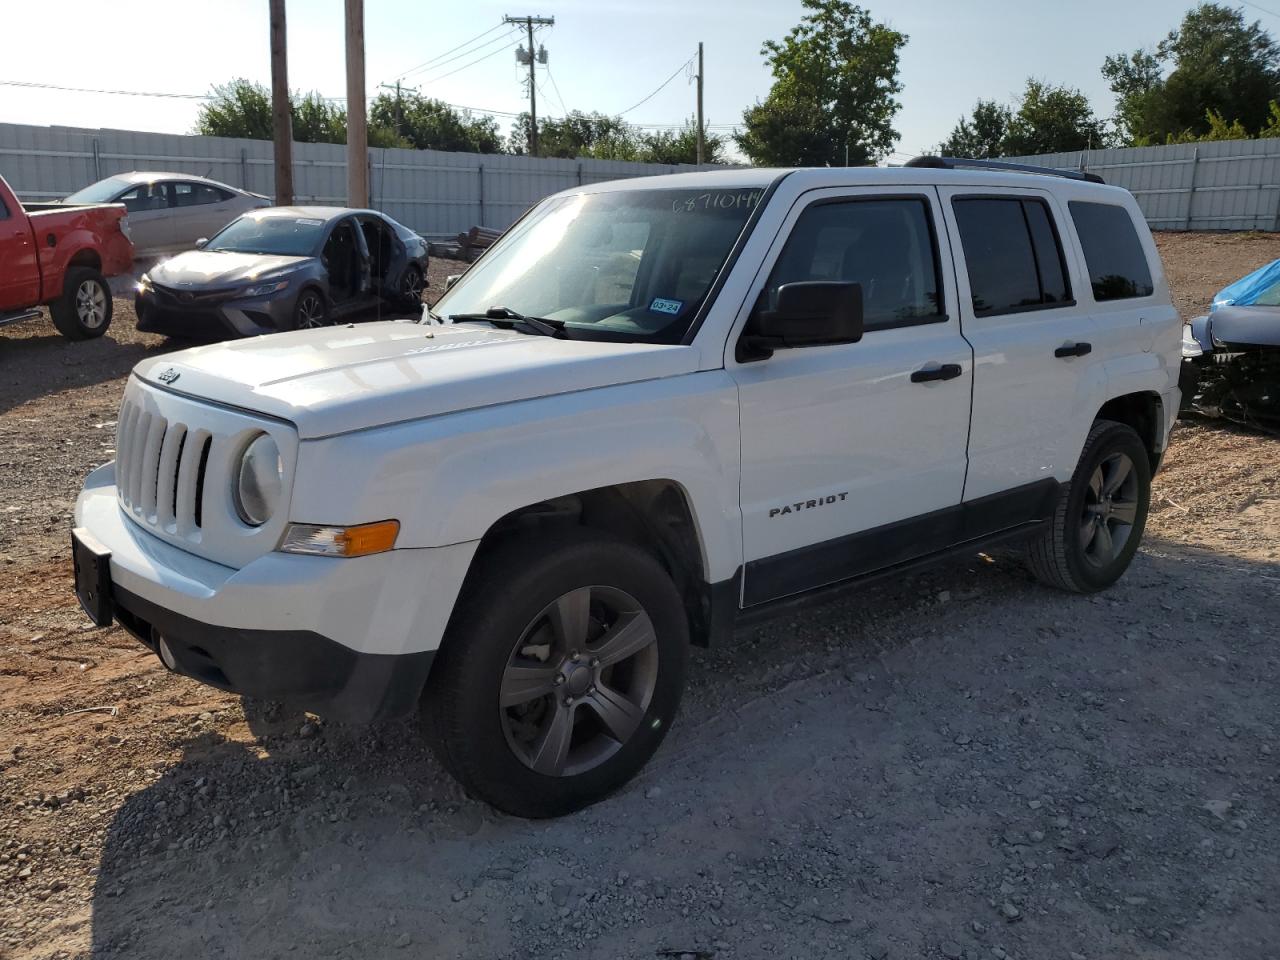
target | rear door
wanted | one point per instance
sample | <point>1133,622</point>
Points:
<point>1037,380</point>
<point>20,274</point>
<point>853,455</point>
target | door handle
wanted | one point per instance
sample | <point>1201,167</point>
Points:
<point>1073,350</point>
<point>948,371</point>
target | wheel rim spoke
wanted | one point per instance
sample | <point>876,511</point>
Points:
<point>1124,511</point>
<point>520,684</point>
<point>1095,484</point>
<point>1088,530</point>
<point>618,714</point>
<point>1104,545</point>
<point>631,634</point>
<point>1121,467</point>
<point>569,618</point>
<point>553,749</point>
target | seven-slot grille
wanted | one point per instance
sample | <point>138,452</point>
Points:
<point>160,469</point>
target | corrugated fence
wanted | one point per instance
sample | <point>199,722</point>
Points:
<point>1223,185</point>
<point>431,191</point>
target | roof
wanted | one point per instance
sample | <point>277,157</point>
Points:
<point>312,213</point>
<point>818,177</point>
<point>151,176</point>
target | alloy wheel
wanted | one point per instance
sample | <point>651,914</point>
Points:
<point>310,312</point>
<point>1110,509</point>
<point>579,681</point>
<point>91,304</point>
<point>411,286</point>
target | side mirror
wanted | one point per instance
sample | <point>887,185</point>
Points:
<point>201,242</point>
<point>450,280</point>
<point>809,314</point>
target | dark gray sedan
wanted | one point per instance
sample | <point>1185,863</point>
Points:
<point>286,268</point>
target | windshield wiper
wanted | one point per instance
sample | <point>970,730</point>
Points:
<point>544,326</point>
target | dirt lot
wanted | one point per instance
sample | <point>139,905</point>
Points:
<point>959,764</point>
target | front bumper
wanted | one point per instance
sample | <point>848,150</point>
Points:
<point>351,639</point>
<point>204,318</point>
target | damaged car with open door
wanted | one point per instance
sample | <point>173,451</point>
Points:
<point>1231,356</point>
<point>286,268</point>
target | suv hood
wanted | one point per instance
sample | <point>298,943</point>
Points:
<point>199,267</point>
<point>339,379</point>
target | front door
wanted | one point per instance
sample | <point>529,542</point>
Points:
<point>1037,373</point>
<point>20,278</point>
<point>853,455</point>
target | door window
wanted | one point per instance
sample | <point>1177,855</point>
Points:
<point>1118,266</point>
<point>144,198</point>
<point>1012,253</point>
<point>886,244</point>
<point>195,194</point>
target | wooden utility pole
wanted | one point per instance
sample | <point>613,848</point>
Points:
<point>701,147</point>
<point>529,24</point>
<point>357,129</point>
<point>281,112</point>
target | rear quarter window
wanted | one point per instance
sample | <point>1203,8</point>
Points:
<point>1118,267</point>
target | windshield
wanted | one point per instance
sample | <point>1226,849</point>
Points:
<point>100,192</point>
<point>283,236</point>
<point>625,265</point>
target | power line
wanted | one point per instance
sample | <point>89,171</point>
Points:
<point>431,60</point>
<point>465,53</point>
<point>555,86</point>
<point>125,93</point>
<point>465,66</point>
<point>659,90</point>
<point>1270,13</point>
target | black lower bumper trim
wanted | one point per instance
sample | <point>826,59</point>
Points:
<point>299,667</point>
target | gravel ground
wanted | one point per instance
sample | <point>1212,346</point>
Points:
<point>957,764</point>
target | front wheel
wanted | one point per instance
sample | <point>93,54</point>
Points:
<point>83,312</point>
<point>310,311</point>
<point>550,698</point>
<point>1101,515</point>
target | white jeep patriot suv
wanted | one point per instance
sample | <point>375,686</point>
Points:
<point>654,408</point>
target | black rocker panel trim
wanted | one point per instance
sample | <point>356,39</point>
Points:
<point>868,551</point>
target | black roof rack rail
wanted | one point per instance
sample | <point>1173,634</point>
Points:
<point>956,163</point>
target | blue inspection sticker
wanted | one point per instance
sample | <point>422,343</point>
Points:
<point>666,306</point>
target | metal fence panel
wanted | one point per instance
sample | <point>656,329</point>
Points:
<point>432,191</point>
<point>1220,185</point>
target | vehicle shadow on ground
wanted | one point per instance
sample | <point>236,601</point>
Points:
<point>50,363</point>
<point>958,696</point>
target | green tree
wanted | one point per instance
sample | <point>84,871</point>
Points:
<point>236,109</point>
<point>981,135</point>
<point>1217,63</point>
<point>1052,119</point>
<point>681,146</point>
<point>243,109</point>
<point>578,134</point>
<point>834,93</point>
<point>427,124</point>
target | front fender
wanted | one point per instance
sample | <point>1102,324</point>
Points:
<point>448,479</point>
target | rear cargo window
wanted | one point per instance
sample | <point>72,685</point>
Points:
<point>1012,253</point>
<point>1118,266</point>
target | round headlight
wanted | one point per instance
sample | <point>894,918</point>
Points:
<point>260,481</point>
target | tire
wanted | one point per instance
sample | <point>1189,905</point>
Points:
<point>1099,520</point>
<point>526,609</point>
<point>84,310</point>
<point>310,310</point>
<point>411,287</point>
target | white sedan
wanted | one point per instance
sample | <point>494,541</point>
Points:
<point>169,212</point>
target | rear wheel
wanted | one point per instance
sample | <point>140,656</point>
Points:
<point>411,287</point>
<point>84,309</point>
<point>553,698</point>
<point>1101,515</point>
<point>310,311</point>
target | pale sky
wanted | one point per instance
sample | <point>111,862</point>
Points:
<point>605,55</point>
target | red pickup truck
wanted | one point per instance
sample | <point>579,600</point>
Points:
<point>60,256</point>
